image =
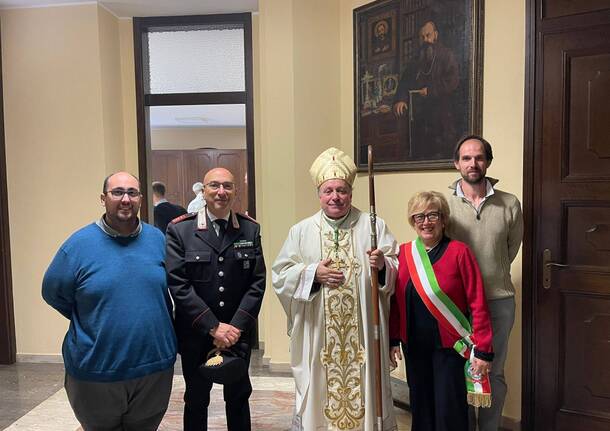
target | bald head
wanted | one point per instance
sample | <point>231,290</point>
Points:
<point>219,191</point>
<point>120,174</point>
<point>215,173</point>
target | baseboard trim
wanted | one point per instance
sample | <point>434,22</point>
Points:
<point>39,359</point>
<point>400,393</point>
<point>280,368</point>
<point>510,424</point>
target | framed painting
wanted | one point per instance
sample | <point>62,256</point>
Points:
<point>417,81</point>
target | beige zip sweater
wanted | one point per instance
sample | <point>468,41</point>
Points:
<point>493,233</point>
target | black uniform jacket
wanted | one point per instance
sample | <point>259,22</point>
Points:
<point>165,212</point>
<point>212,282</point>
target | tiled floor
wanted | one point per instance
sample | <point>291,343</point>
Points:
<point>32,398</point>
<point>24,386</point>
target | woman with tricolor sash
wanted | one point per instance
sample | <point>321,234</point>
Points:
<point>439,314</point>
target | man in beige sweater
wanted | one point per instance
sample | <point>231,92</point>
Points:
<point>491,223</point>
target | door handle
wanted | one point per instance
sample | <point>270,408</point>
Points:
<point>547,265</point>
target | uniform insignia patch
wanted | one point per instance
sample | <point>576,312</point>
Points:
<point>248,217</point>
<point>242,243</point>
<point>183,217</point>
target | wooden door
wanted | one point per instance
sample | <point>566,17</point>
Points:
<point>168,167</point>
<point>235,161</point>
<point>198,162</point>
<point>568,311</point>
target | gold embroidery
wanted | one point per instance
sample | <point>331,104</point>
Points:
<point>343,352</point>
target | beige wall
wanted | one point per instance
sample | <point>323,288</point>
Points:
<point>128,95</point>
<point>64,133</point>
<point>111,92</point>
<point>275,117</point>
<point>189,138</point>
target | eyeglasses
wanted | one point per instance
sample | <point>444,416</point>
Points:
<point>432,217</point>
<point>215,185</point>
<point>119,193</point>
<point>341,191</point>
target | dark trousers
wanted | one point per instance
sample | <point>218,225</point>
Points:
<point>197,394</point>
<point>437,389</point>
<point>129,405</point>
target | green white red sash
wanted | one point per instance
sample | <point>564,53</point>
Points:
<point>449,316</point>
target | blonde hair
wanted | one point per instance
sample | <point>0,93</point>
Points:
<point>422,200</point>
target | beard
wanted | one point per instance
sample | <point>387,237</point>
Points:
<point>474,180</point>
<point>426,53</point>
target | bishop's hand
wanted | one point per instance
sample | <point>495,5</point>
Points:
<point>325,274</point>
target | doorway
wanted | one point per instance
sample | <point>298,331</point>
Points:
<point>194,104</point>
<point>566,271</point>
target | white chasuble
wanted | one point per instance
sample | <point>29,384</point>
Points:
<point>331,330</point>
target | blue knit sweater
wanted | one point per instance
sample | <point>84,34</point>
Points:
<point>114,292</point>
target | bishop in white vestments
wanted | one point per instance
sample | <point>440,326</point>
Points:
<point>322,278</point>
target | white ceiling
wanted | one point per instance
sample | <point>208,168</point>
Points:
<point>198,116</point>
<point>131,8</point>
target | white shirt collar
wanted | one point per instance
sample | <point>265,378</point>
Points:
<point>488,192</point>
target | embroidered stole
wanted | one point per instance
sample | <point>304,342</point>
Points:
<point>449,316</point>
<point>343,355</point>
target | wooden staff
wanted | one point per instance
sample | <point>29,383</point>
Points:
<point>375,297</point>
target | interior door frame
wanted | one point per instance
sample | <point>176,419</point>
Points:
<point>141,27</point>
<point>529,260</point>
<point>8,348</point>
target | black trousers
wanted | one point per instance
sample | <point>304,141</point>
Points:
<point>437,389</point>
<point>197,394</point>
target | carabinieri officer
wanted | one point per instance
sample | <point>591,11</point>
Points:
<point>216,275</point>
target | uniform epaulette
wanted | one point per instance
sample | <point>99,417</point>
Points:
<point>247,217</point>
<point>183,217</point>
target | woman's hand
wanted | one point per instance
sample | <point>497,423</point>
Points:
<point>479,366</point>
<point>395,355</point>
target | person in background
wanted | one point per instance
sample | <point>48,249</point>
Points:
<point>164,211</point>
<point>108,279</point>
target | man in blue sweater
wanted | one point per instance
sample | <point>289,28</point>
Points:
<point>108,279</point>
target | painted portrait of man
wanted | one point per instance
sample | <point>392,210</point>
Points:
<point>418,94</point>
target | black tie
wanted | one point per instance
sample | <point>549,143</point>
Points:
<point>222,228</point>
